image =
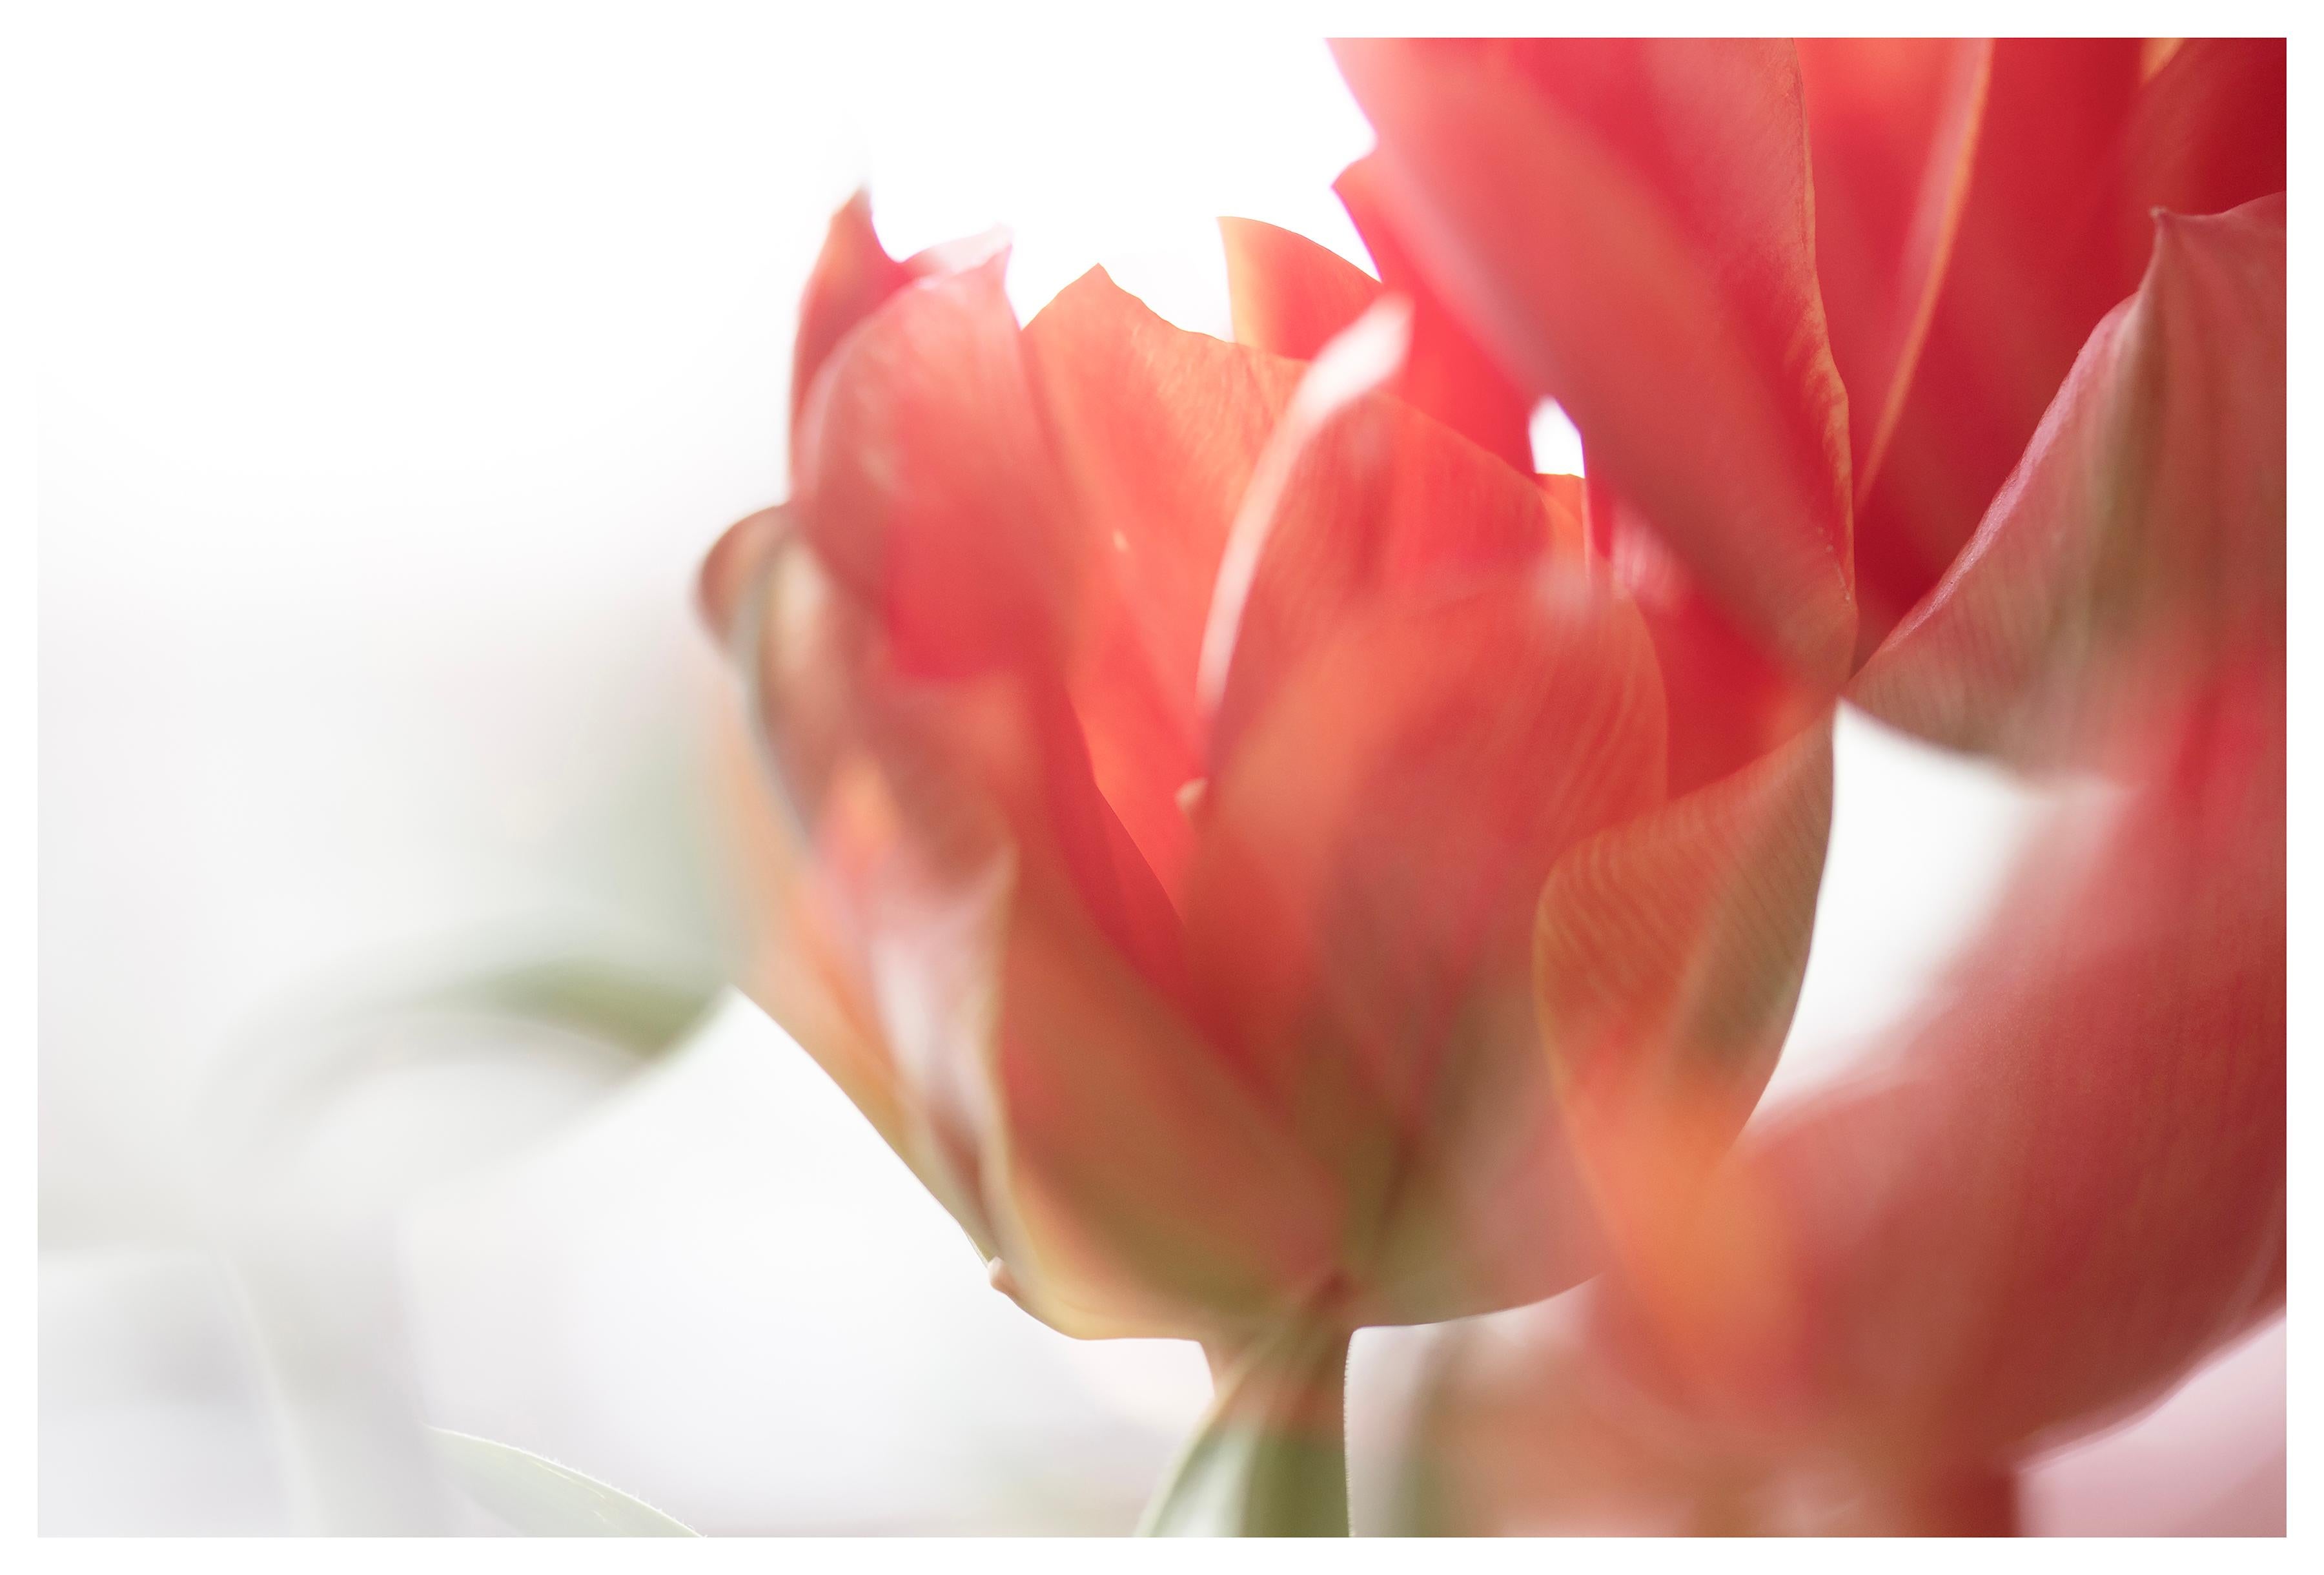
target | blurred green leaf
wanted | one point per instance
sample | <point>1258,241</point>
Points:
<point>616,1004</point>
<point>542,1498</point>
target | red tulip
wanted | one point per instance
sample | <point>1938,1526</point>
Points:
<point>1176,738</point>
<point>2069,1184</point>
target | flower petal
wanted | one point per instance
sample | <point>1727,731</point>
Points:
<point>823,855</point>
<point>1668,949</point>
<point>854,275</point>
<point>1158,431</point>
<point>1893,125</point>
<point>1358,907</point>
<point>1141,1186</point>
<point>1290,295</point>
<point>1447,374</point>
<point>1729,702</point>
<point>2142,537</point>
<point>1667,301</point>
<point>1363,503</point>
<point>979,956</point>
<point>2075,154</point>
<point>927,484</point>
<point>2069,1184</point>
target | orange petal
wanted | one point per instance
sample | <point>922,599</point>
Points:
<point>2079,147</point>
<point>2141,538</point>
<point>1629,226</point>
<point>1893,125</point>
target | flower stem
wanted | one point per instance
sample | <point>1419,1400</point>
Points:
<point>1270,1459</point>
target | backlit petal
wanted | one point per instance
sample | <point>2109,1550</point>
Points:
<point>2141,538</point>
<point>2079,147</point>
<point>1629,226</point>
<point>2067,1185</point>
<point>1359,907</point>
<point>926,482</point>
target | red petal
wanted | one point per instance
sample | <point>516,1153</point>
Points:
<point>825,856</point>
<point>1893,123</point>
<point>1669,949</point>
<point>976,953</point>
<point>1158,430</point>
<point>2074,155</point>
<point>852,277</point>
<point>1447,373</point>
<point>1520,1430</point>
<point>1143,1187</point>
<point>2068,1186</point>
<point>1377,505</point>
<point>1359,910</point>
<point>1290,295</point>
<point>1629,226</point>
<point>2142,539</point>
<point>926,482</point>
<point>1729,701</point>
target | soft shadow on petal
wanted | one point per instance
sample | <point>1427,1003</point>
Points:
<point>2067,1184</point>
<point>1667,302</point>
<point>1448,374</point>
<point>1892,126</point>
<point>1668,950</point>
<point>2142,539</point>
<point>2079,147</point>
<point>1157,433</point>
<point>1381,506</point>
<point>1360,906</point>
<point>1730,700</point>
<point>927,484</point>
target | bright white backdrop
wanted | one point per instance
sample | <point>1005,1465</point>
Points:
<point>395,376</point>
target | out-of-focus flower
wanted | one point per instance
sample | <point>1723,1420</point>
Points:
<point>1174,738</point>
<point>2067,1184</point>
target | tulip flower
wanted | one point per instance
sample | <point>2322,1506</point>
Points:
<point>1172,739</point>
<point>2066,509</point>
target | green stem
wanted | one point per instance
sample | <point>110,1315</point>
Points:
<point>1270,1459</point>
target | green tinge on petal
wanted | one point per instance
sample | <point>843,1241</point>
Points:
<point>1670,950</point>
<point>2141,540</point>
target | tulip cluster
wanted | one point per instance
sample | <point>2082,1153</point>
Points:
<point>1271,864</point>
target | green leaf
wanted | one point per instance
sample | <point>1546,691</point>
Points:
<point>542,1498</point>
<point>625,1007</point>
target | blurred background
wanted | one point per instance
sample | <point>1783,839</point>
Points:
<point>395,376</point>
